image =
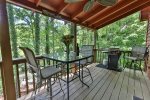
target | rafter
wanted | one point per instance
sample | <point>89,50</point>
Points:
<point>76,13</point>
<point>23,4</point>
<point>37,2</point>
<point>102,12</point>
<point>79,10</point>
<point>48,7</point>
<point>133,10</point>
<point>61,10</point>
<point>111,11</point>
<point>97,13</point>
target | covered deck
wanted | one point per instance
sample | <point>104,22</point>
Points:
<point>107,85</point>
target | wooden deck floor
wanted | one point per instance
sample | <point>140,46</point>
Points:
<point>107,85</point>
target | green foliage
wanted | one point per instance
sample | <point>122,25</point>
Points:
<point>12,31</point>
<point>124,33</point>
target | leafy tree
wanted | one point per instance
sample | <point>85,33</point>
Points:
<point>47,47</point>
<point>37,33</point>
<point>124,33</point>
<point>12,30</point>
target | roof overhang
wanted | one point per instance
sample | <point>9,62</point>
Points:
<point>98,16</point>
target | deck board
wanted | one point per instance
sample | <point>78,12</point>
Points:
<point>123,91</point>
<point>107,85</point>
<point>81,93</point>
<point>116,90</point>
<point>131,85</point>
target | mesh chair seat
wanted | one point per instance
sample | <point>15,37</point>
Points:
<point>131,58</point>
<point>82,62</point>
<point>49,71</point>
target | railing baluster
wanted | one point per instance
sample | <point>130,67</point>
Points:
<point>2,76</point>
<point>33,82</point>
<point>18,80</point>
<point>26,78</point>
<point>44,62</point>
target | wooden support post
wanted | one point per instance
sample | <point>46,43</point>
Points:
<point>7,67</point>
<point>95,37</point>
<point>147,61</point>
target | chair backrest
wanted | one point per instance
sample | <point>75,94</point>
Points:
<point>31,60</point>
<point>87,50</point>
<point>138,51</point>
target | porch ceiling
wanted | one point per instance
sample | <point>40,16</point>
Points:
<point>98,16</point>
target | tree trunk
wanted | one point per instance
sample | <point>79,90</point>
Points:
<point>12,30</point>
<point>37,33</point>
<point>47,48</point>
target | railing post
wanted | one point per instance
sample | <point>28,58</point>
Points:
<point>7,66</point>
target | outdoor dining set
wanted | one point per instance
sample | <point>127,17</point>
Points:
<point>77,65</point>
<point>64,65</point>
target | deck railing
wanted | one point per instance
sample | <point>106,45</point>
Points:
<point>25,81</point>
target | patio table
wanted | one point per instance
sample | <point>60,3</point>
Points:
<point>62,58</point>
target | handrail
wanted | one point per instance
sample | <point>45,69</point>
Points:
<point>21,60</point>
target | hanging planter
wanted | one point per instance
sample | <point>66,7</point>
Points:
<point>67,39</point>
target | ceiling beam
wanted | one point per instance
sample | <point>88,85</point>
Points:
<point>123,15</point>
<point>112,10</point>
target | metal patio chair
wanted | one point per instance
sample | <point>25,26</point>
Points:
<point>86,50</point>
<point>138,54</point>
<point>46,73</point>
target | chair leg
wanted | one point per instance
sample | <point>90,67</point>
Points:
<point>61,86</point>
<point>140,68</point>
<point>131,64</point>
<point>50,88</point>
<point>88,72</point>
<point>36,89</point>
